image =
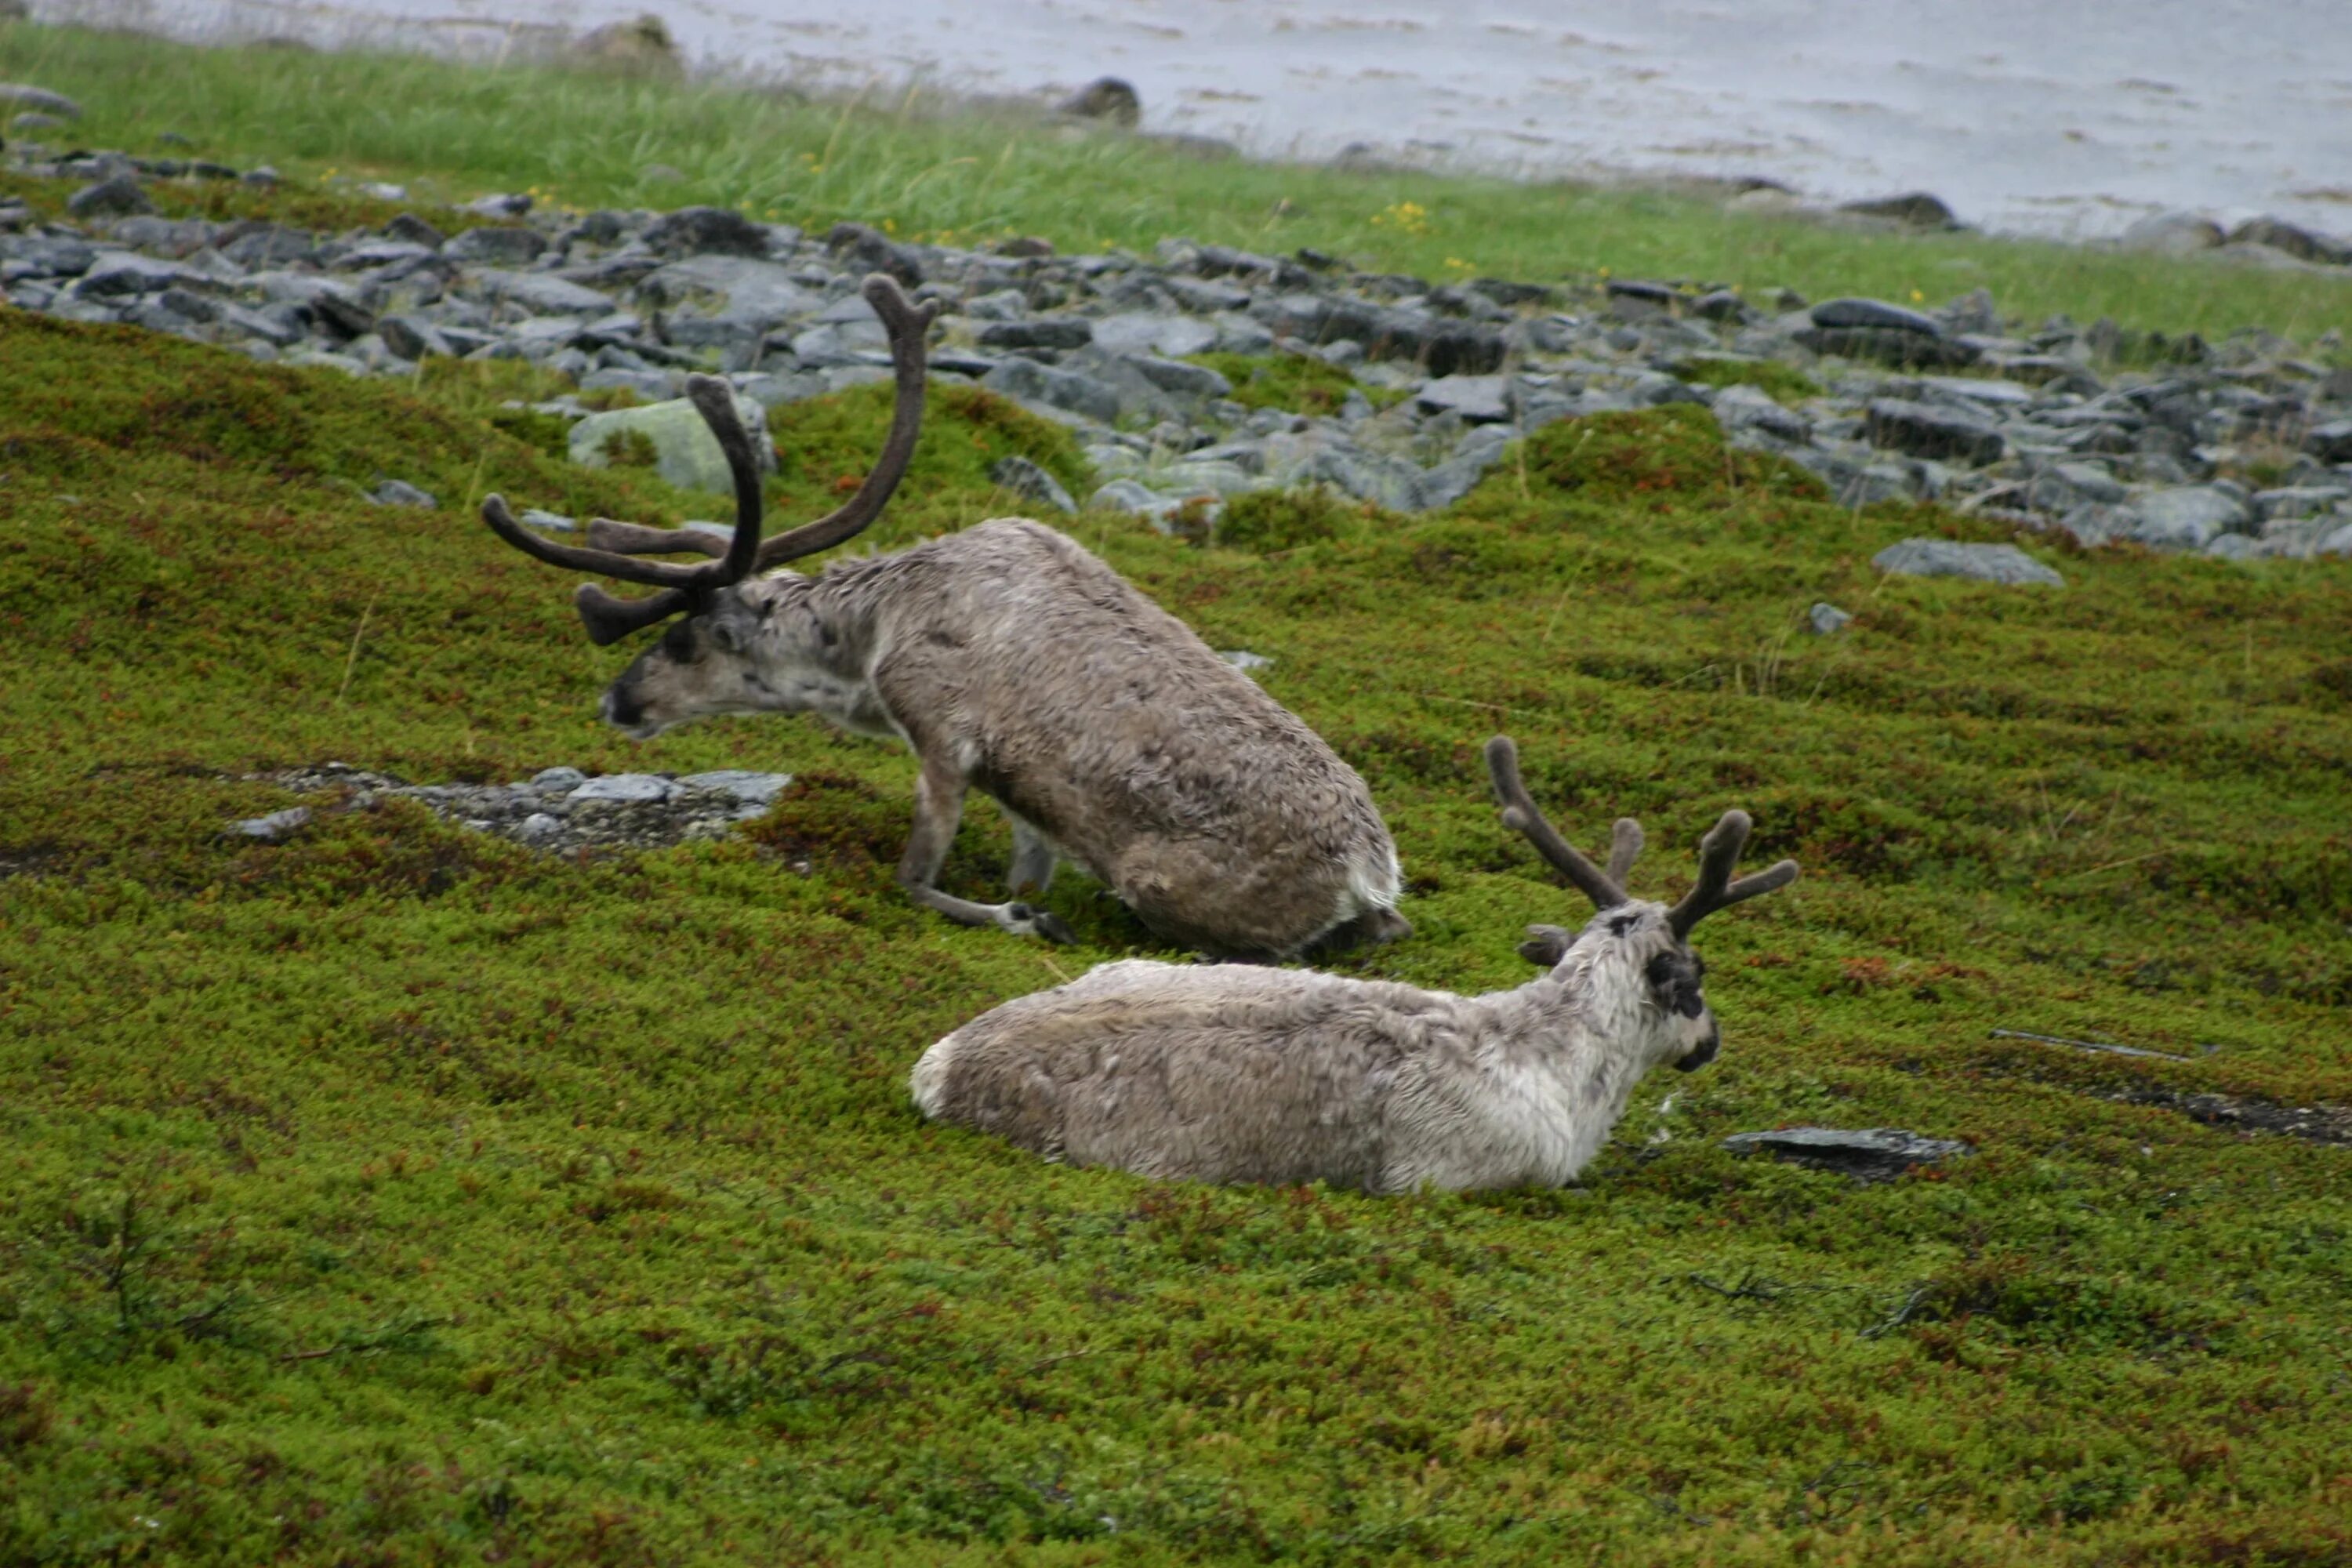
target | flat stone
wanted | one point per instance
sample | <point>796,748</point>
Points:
<point>1869,1154</point>
<point>1744,407</point>
<point>1876,313</point>
<point>2331,442</point>
<point>541,293</point>
<point>1027,382</point>
<point>1477,399</point>
<point>400,492</point>
<point>120,272</point>
<point>692,230</point>
<point>2171,234</point>
<point>1043,333</point>
<point>1176,377</point>
<point>274,827</point>
<point>1032,483</point>
<point>110,198</point>
<point>1914,209</point>
<point>626,789</point>
<point>685,453</point>
<point>1900,347</point>
<point>2297,500</point>
<point>1926,430</point>
<point>756,295</point>
<point>2187,518</point>
<point>1827,619</point>
<point>749,788</point>
<point>558,778</point>
<point>493,246</point>
<point>2004,563</point>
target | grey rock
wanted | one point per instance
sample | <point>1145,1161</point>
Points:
<point>2234,547</point>
<point>558,778</point>
<point>110,198</point>
<point>1915,209</point>
<point>685,453</point>
<point>2004,563</point>
<point>2187,518</point>
<point>1477,399</point>
<point>2064,484</point>
<point>1924,430</point>
<point>740,292</point>
<point>411,229</point>
<point>1032,385</point>
<point>334,306</point>
<point>274,828</point>
<point>626,789</point>
<point>414,337</point>
<point>51,255</point>
<point>539,827</point>
<point>270,245</point>
<point>749,788</point>
<point>400,492</point>
<point>540,293</point>
<point>2337,544</point>
<point>1027,480</point>
<point>124,272</point>
<point>870,250</point>
<point>32,121</point>
<point>1042,332</point>
<point>2171,234</point>
<point>2330,442</point>
<point>1869,1154</point>
<point>1741,407</point>
<point>1873,313</point>
<point>492,245</point>
<point>173,237</point>
<point>1106,98</point>
<point>39,100</point>
<point>1827,619</point>
<point>2297,500</point>
<point>500,204</point>
<point>2301,244</point>
<point>1176,377</point>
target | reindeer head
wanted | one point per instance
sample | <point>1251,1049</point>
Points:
<point>718,659</point>
<point>1643,946</point>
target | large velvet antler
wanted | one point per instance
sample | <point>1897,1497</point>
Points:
<point>1605,888</point>
<point>1718,853</point>
<point>615,546</point>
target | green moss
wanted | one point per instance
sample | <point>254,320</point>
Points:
<point>1296,383</point>
<point>1783,384</point>
<point>1270,520</point>
<point>394,1194</point>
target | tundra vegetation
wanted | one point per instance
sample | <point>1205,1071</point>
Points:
<point>394,1194</point>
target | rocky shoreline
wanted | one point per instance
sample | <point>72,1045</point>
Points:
<point>2241,448</point>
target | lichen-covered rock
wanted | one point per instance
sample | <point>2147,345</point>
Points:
<point>683,452</point>
<point>2004,563</point>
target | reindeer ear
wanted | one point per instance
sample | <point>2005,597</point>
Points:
<point>1545,945</point>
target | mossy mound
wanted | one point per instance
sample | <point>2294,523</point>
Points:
<point>395,1194</point>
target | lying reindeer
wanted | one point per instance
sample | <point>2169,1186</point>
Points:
<point>1278,1076</point>
<point>1008,657</point>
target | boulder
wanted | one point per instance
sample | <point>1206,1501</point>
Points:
<point>1928,430</point>
<point>1868,1155</point>
<point>684,451</point>
<point>2172,234</point>
<point>1032,483</point>
<point>2004,563</point>
<point>540,293</point>
<point>2187,518</point>
<point>700,230</point>
<point>641,46</point>
<point>1106,98</point>
<point>110,198</point>
<point>1030,383</point>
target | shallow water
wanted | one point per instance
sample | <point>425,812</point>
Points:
<point>2025,115</point>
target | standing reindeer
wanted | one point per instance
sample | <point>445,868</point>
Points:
<point>1282,1075</point>
<point>1008,657</point>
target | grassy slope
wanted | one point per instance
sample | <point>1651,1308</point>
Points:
<point>396,1186</point>
<point>588,141</point>
<point>395,1196</point>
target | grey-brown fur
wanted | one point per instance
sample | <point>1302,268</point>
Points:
<point>1009,659</point>
<point>1220,1074</point>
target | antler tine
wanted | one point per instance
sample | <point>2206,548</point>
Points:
<point>660,573</point>
<point>905,322</point>
<point>1718,853</point>
<point>636,539</point>
<point>610,618</point>
<point>1625,842</point>
<point>1520,814</point>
